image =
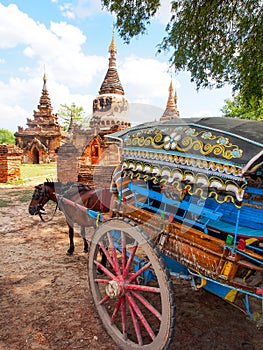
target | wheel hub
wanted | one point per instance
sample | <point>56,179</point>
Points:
<point>113,289</point>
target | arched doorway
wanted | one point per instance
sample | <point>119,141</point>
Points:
<point>35,155</point>
<point>94,148</point>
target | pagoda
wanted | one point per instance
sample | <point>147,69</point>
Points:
<point>171,111</point>
<point>42,138</point>
<point>110,107</point>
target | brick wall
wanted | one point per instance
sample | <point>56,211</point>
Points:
<point>96,176</point>
<point>10,162</point>
<point>67,163</point>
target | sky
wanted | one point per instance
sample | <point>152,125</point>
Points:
<point>69,42</point>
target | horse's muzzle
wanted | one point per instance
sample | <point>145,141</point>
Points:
<point>33,210</point>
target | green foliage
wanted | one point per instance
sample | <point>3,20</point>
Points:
<point>4,203</point>
<point>132,16</point>
<point>70,114</point>
<point>7,137</point>
<point>236,108</point>
<point>218,41</point>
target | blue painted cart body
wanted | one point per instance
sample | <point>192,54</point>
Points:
<point>196,186</point>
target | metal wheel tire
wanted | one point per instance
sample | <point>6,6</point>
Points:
<point>132,291</point>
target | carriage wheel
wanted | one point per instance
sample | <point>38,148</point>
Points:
<point>131,287</point>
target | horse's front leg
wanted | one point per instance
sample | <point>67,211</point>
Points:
<point>71,240</point>
<point>83,235</point>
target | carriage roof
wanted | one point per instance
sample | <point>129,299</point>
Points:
<point>215,152</point>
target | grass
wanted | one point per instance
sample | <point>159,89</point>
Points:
<point>25,196</point>
<point>42,171</point>
<point>4,203</point>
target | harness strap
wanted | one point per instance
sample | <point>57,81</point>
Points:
<point>42,219</point>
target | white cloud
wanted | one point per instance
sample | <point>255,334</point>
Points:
<point>67,10</point>
<point>29,52</point>
<point>60,47</point>
<point>139,77</point>
<point>88,8</point>
<point>72,73</point>
<point>144,86</point>
<point>164,13</point>
<point>15,114</point>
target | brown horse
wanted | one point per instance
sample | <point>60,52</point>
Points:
<point>71,198</point>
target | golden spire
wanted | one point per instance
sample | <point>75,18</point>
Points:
<point>112,46</point>
<point>111,83</point>
<point>45,77</point>
<point>171,102</point>
<point>171,111</point>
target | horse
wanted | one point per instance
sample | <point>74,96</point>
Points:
<point>69,198</point>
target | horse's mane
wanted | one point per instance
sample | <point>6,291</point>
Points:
<point>65,187</point>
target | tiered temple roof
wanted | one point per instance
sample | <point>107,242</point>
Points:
<point>44,118</point>
<point>111,83</point>
<point>43,136</point>
<point>110,107</point>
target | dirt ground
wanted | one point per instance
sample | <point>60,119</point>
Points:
<point>45,301</point>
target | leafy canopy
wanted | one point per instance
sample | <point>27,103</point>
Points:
<point>70,114</point>
<point>236,108</point>
<point>7,137</point>
<point>218,41</point>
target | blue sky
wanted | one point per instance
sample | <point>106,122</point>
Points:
<point>69,40</point>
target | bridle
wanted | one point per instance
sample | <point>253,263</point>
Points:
<point>42,196</point>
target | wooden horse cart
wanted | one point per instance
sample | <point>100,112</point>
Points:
<point>190,206</point>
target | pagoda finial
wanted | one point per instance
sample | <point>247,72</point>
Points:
<point>112,51</point>
<point>170,102</point>
<point>44,77</point>
<point>113,47</point>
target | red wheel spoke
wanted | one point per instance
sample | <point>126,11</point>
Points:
<point>123,245</point>
<point>103,300</point>
<point>115,311</point>
<point>112,248</point>
<point>141,270</point>
<point>104,249</point>
<point>138,312</point>
<point>149,306</point>
<point>105,270</point>
<point>143,288</point>
<point>101,280</point>
<point>136,325</point>
<point>132,254</point>
<point>123,318</point>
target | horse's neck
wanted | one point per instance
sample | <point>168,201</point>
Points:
<point>53,188</point>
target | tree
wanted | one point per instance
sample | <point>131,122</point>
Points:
<point>7,137</point>
<point>236,108</point>
<point>70,114</point>
<point>218,41</point>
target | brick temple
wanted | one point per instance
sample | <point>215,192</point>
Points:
<point>91,155</point>
<point>83,154</point>
<point>42,138</point>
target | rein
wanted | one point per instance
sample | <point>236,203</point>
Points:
<point>52,216</point>
<point>42,209</point>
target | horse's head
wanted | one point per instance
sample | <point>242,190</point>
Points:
<point>40,197</point>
